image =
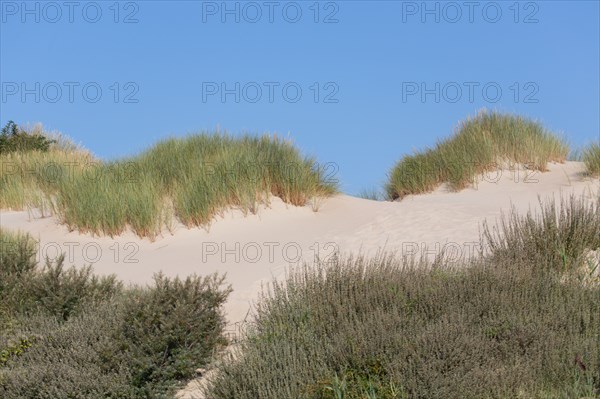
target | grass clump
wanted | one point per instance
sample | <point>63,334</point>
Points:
<point>484,143</point>
<point>191,180</point>
<point>591,159</point>
<point>66,333</point>
<point>32,179</point>
<point>500,326</point>
<point>371,194</point>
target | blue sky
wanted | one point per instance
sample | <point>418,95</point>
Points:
<point>354,83</point>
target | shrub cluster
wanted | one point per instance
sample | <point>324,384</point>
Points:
<point>508,325</point>
<point>67,333</point>
<point>481,144</point>
<point>15,139</point>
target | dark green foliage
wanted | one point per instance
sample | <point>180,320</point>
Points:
<point>66,333</point>
<point>15,139</point>
<point>61,292</point>
<point>170,330</point>
<point>17,260</point>
<point>52,290</point>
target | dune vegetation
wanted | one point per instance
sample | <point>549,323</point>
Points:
<point>190,180</point>
<point>66,333</point>
<point>591,158</point>
<point>487,142</point>
<point>521,322</point>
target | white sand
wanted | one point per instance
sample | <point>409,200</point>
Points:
<point>254,249</point>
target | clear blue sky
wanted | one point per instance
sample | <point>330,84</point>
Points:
<point>378,78</point>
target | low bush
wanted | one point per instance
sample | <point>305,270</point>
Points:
<point>558,238</point>
<point>52,289</point>
<point>506,325</point>
<point>170,330</point>
<point>67,333</point>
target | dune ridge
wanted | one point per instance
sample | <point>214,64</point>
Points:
<point>254,249</point>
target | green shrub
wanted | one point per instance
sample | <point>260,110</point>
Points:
<point>61,292</point>
<point>66,333</point>
<point>69,359</point>
<point>142,344</point>
<point>53,290</point>
<point>15,139</point>
<point>17,260</point>
<point>591,158</point>
<point>484,143</point>
<point>170,330</point>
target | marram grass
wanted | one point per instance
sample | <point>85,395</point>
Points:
<point>191,179</point>
<point>484,143</point>
<point>591,159</point>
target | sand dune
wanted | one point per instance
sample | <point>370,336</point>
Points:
<point>252,249</point>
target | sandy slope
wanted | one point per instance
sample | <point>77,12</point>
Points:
<point>253,249</point>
